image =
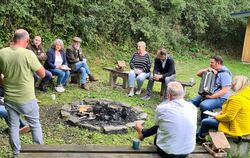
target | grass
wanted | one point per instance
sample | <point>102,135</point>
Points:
<point>56,131</point>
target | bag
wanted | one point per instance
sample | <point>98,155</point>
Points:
<point>207,83</point>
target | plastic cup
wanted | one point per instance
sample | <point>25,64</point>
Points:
<point>192,80</point>
<point>53,96</point>
<point>136,144</point>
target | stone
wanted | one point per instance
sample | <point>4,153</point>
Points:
<point>115,129</point>
<point>132,124</point>
<point>66,107</point>
<point>73,120</point>
<point>143,116</point>
<point>65,114</point>
<point>91,127</point>
<point>137,109</point>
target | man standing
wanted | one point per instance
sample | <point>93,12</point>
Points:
<point>36,47</point>
<point>175,124</point>
<point>77,62</point>
<point>17,64</point>
<point>164,71</point>
<point>221,88</point>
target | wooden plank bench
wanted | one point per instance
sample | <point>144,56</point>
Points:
<point>97,151</point>
<point>240,146</point>
<point>114,74</point>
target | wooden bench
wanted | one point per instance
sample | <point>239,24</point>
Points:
<point>97,151</point>
<point>240,146</point>
<point>114,74</point>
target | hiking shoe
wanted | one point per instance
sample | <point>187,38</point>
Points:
<point>24,129</point>
<point>84,86</point>
<point>138,92</point>
<point>42,88</point>
<point>92,78</point>
<point>146,97</point>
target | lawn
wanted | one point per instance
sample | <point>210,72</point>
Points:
<point>56,131</point>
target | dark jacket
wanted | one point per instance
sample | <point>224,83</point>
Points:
<point>38,51</point>
<point>168,70</point>
<point>73,55</point>
<point>50,62</point>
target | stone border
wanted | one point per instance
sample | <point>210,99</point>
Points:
<point>109,129</point>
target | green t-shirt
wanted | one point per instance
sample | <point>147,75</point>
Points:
<point>17,65</point>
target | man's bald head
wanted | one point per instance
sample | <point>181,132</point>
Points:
<point>21,38</point>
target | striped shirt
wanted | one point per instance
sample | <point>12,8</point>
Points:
<point>140,62</point>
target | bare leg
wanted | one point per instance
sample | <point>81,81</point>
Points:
<point>138,127</point>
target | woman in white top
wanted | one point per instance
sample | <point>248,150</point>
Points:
<point>56,63</point>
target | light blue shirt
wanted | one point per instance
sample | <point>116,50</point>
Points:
<point>177,121</point>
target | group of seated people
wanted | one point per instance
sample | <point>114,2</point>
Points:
<point>59,62</point>
<point>173,115</point>
<point>233,119</point>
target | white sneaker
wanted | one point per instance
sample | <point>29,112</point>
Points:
<point>59,89</point>
<point>131,93</point>
<point>138,92</point>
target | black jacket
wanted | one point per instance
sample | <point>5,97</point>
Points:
<point>168,70</point>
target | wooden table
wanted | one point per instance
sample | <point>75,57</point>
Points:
<point>97,151</point>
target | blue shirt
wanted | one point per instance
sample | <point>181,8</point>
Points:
<point>223,79</point>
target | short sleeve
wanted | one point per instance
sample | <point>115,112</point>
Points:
<point>226,79</point>
<point>34,62</point>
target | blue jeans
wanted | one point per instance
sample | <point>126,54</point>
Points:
<point>46,79</point>
<point>206,125</point>
<point>139,78</point>
<point>207,104</point>
<point>4,115</point>
<point>62,75</point>
<point>83,68</point>
<point>30,111</point>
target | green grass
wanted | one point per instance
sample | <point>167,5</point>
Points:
<point>56,131</point>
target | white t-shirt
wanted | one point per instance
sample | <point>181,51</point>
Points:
<point>177,126</point>
<point>58,60</point>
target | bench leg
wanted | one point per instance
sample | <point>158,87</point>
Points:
<point>112,79</point>
<point>125,82</point>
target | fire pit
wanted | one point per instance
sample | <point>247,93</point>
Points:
<point>102,115</point>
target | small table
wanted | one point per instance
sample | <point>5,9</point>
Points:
<point>116,73</point>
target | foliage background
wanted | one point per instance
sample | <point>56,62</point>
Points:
<point>174,24</point>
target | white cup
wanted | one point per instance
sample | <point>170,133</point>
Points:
<point>192,80</point>
<point>53,96</point>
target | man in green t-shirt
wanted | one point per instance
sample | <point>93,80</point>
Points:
<point>18,64</point>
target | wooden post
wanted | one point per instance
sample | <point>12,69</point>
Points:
<point>246,48</point>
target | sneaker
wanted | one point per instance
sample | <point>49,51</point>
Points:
<point>146,97</point>
<point>138,92</point>
<point>59,89</point>
<point>131,92</point>
<point>24,129</point>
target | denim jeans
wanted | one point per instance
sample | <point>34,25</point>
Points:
<point>4,115</point>
<point>46,79</point>
<point>30,111</point>
<point>62,75</point>
<point>139,78</point>
<point>207,104</point>
<point>206,125</point>
<point>83,68</point>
